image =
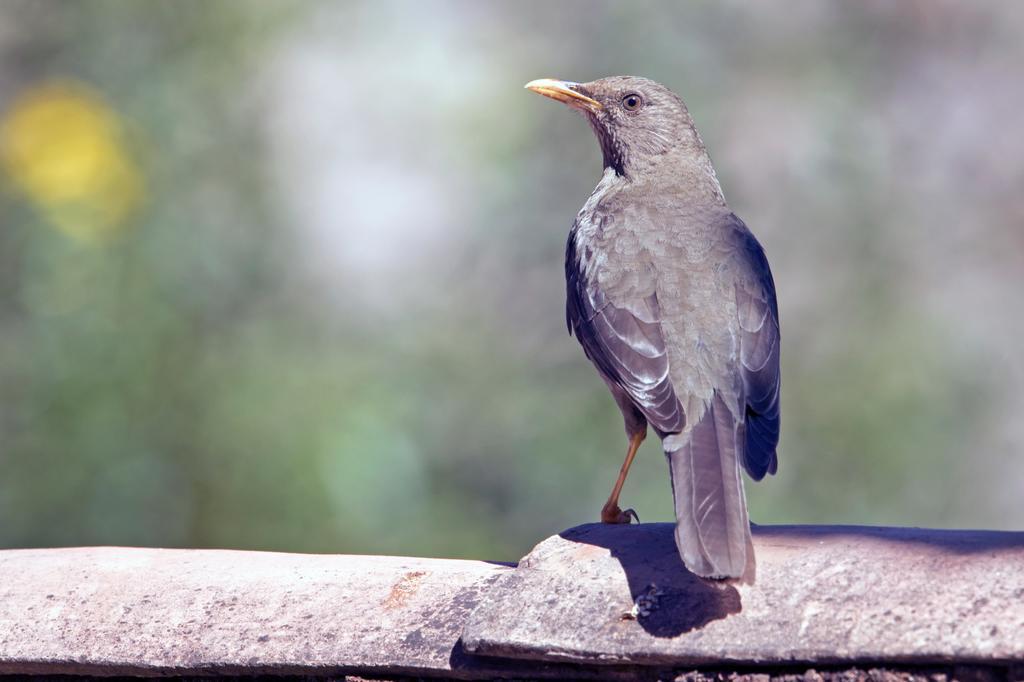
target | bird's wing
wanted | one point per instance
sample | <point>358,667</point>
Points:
<point>624,341</point>
<point>712,525</point>
<point>758,320</point>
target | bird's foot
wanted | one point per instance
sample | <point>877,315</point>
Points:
<point>612,514</point>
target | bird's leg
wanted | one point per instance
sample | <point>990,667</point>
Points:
<point>611,513</point>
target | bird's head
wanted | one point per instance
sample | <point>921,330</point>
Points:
<point>638,122</point>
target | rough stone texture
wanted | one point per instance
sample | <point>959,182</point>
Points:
<point>955,674</point>
<point>119,611</point>
<point>822,595</point>
<point>598,602</point>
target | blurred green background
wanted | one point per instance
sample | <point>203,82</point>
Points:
<point>288,275</point>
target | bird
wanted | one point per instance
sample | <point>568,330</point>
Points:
<point>673,301</point>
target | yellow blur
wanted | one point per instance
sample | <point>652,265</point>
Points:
<point>63,146</point>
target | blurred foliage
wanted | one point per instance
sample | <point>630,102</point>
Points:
<point>287,275</point>
<point>61,145</point>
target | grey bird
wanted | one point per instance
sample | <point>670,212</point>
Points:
<point>672,299</point>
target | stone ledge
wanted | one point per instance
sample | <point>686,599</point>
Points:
<point>824,595</point>
<point>598,602</point>
<point>122,611</point>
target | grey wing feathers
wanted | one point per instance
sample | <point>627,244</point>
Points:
<point>712,525</point>
<point>758,316</point>
<point>625,343</point>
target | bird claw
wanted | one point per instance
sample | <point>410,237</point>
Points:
<point>615,515</point>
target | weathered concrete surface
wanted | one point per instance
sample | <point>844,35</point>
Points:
<point>822,595</point>
<point>951,674</point>
<point>120,611</point>
<point>598,602</point>
<point>138,610</point>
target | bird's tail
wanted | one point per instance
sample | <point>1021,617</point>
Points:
<point>712,527</point>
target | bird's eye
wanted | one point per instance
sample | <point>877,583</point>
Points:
<point>632,102</point>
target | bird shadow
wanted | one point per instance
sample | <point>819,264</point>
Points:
<point>669,600</point>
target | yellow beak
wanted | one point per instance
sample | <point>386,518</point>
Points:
<point>563,92</point>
